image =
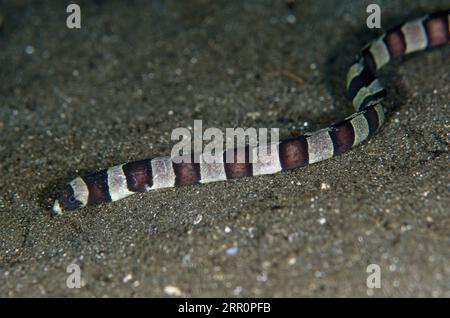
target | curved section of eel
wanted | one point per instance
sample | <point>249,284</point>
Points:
<point>363,88</point>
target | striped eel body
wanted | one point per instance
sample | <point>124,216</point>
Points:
<point>363,88</point>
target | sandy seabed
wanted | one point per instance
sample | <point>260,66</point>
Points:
<point>75,101</point>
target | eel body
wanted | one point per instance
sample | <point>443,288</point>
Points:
<point>363,88</point>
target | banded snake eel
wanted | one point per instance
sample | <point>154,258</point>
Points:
<point>363,88</point>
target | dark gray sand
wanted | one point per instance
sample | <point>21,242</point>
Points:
<point>74,101</point>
